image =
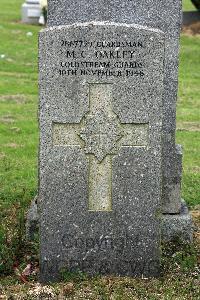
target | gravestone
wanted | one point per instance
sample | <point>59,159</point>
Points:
<point>108,87</point>
<point>160,14</point>
<point>166,16</point>
<point>101,87</point>
<point>31,11</point>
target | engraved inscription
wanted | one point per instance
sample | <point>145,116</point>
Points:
<point>101,135</point>
<point>102,58</point>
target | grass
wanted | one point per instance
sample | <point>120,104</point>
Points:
<point>188,6</point>
<point>179,283</point>
<point>18,157</point>
<point>18,127</point>
<point>18,100</point>
<point>188,117</point>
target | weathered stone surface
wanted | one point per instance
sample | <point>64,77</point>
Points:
<point>173,227</point>
<point>172,183</point>
<point>161,14</point>
<point>101,91</point>
<point>178,227</point>
<point>32,220</point>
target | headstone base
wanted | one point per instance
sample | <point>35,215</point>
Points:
<point>32,220</point>
<point>190,17</point>
<point>31,12</point>
<point>178,226</point>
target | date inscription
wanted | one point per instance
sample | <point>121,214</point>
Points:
<point>101,58</point>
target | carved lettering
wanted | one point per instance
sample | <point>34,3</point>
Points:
<point>98,58</point>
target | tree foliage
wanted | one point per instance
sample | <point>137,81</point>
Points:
<point>196,3</point>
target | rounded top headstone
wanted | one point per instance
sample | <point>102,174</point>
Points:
<point>32,1</point>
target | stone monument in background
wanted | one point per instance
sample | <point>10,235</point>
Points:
<point>31,11</point>
<point>110,171</point>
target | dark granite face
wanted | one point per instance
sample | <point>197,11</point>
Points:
<point>160,14</point>
<point>101,89</point>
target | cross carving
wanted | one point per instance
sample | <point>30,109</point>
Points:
<point>101,135</point>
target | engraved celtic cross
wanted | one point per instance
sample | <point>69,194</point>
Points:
<point>103,135</point>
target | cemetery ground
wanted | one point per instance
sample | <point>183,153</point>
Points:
<point>18,176</point>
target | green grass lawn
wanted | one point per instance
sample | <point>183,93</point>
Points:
<point>188,6</point>
<point>18,107</point>
<point>19,132</point>
<point>188,117</point>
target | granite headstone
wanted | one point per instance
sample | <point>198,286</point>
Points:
<point>101,91</point>
<point>105,101</point>
<point>160,14</point>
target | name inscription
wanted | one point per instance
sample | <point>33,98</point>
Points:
<point>101,58</point>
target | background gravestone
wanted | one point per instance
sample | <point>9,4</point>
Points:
<point>31,11</point>
<point>101,88</point>
<point>166,16</point>
<point>161,14</point>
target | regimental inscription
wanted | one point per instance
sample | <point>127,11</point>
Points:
<point>101,135</point>
<point>102,58</point>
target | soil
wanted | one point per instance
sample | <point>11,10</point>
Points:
<point>192,29</point>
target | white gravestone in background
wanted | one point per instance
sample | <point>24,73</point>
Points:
<point>31,11</point>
